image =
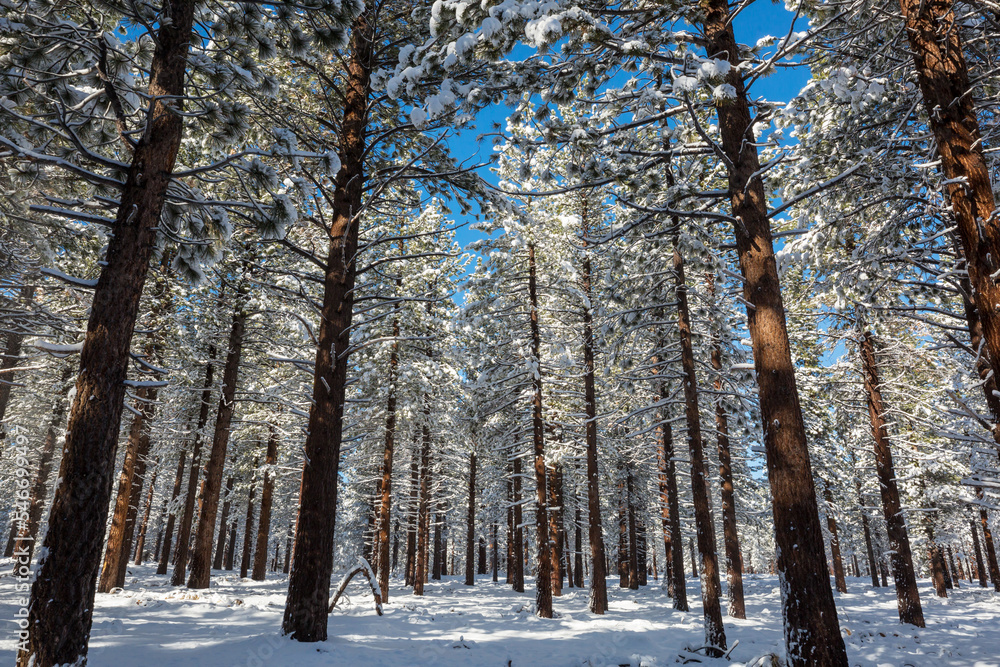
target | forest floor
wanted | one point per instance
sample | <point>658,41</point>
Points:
<point>236,624</point>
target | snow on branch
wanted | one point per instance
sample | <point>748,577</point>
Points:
<point>364,568</point>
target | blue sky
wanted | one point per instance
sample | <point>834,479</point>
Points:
<point>762,18</point>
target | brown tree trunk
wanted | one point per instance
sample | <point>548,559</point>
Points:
<point>598,574</point>
<point>385,505</point>
<point>438,566</point>
<point>811,629</point>
<point>423,506</point>
<point>956,574</point>
<point>187,517</point>
<point>711,587</point>
<point>991,552</point>
<point>248,525</point>
<point>411,530</point>
<point>168,533</point>
<point>730,534</point>
<point>517,549</point>
<point>907,597</point>
<point>144,525</point>
<point>935,42</point>
<point>623,572</point>
<point>27,533</point>
<point>62,596</point>
<point>578,550</point>
<point>220,545</point>
<point>306,612</point>
<point>470,526</point>
<point>481,566</point>
<point>555,526</point>
<point>117,552</point>
<point>670,509</point>
<point>633,536</point>
<point>869,551</point>
<point>229,558</point>
<point>266,498</point>
<point>496,559</point>
<point>543,580</point>
<point>208,499</point>
<point>831,524</point>
<point>11,355</point>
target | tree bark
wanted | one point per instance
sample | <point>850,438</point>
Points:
<point>266,499</point>
<point>578,550</point>
<point>831,524</point>
<point>670,509</point>
<point>306,612</point>
<point>385,505</point>
<point>411,529</point>
<point>555,502</point>
<point>543,579</point>
<point>991,552</point>
<point>730,533</point>
<point>187,517</point>
<point>116,554</point>
<point>869,551</point>
<point>598,574</point>
<point>423,506</point>
<point>517,549</point>
<point>227,561</point>
<point>11,355</point>
<point>62,596</point>
<point>811,629</point>
<point>144,525</point>
<point>220,545</point>
<point>248,525</point>
<point>168,533</point>
<point>470,526</point>
<point>907,597</point>
<point>633,536</point>
<point>711,587</point>
<point>208,499</point>
<point>936,45</point>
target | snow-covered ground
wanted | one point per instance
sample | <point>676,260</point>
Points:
<point>236,624</point>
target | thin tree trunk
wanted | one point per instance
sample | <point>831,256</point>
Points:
<point>811,629</point>
<point>385,505</point>
<point>670,510</point>
<point>496,546</point>
<point>423,507</point>
<point>116,554</point>
<point>306,610</point>
<point>208,499</point>
<point>62,596</point>
<point>555,526</point>
<point>470,526</point>
<point>869,551</point>
<point>187,517</point>
<point>991,552</point>
<point>11,355</point>
<point>518,545</point>
<point>168,533</point>
<point>248,526</point>
<point>907,597</point>
<point>230,557</point>
<point>481,564</point>
<point>578,550</point>
<point>831,524</point>
<point>956,574</point>
<point>711,587</point>
<point>543,578</point>
<point>730,534</point>
<point>266,498</point>
<point>598,573</point>
<point>411,529</point>
<point>144,526</point>
<point>220,545</point>
<point>633,537</point>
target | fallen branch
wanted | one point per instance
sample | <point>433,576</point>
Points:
<point>363,568</point>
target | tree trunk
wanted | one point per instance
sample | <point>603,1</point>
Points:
<point>62,596</point>
<point>187,517</point>
<point>811,628</point>
<point>117,551</point>
<point>578,550</point>
<point>230,557</point>
<point>437,565</point>
<point>956,574</point>
<point>991,552</point>
<point>555,526</point>
<point>266,498</point>
<point>11,355</point>
<point>470,526</point>
<point>208,499</point>
<point>670,510</point>
<point>496,546</point>
<point>481,564</point>
<point>711,587</point>
<point>423,506</point>
<point>543,579</point>
<point>633,537</point>
<point>640,541</point>
<point>27,534</point>
<point>411,529</point>
<point>831,524</point>
<point>869,551</point>
<point>518,546</point>
<point>220,545</point>
<point>623,573</point>
<point>248,525</point>
<point>385,505</point>
<point>730,534</point>
<point>309,583</point>
<point>163,553</point>
<point>598,574</point>
<point>144,526</point>
<point>937,49</point>
<point>907,598</point>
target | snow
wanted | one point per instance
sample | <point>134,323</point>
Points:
<point>238,623</point>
